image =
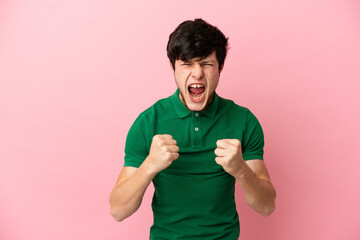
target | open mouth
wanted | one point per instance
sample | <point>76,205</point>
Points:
<point>197,92</point>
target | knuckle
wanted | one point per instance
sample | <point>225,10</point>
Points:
<point>156,138</point>
<point>167,155</point>
<point>160,142</point>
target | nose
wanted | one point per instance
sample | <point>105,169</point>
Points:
<point>197,71</point>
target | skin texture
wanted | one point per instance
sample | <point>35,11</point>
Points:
<point>252,175</point>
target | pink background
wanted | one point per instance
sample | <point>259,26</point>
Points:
<point>75,74</point>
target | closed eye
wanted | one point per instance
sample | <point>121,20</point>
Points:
<point>207,64</point>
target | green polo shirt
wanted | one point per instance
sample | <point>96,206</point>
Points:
<point>194,197</point>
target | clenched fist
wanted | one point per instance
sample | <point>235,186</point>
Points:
<point>163,152</point>
<point>229,155</point>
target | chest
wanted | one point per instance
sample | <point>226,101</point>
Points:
<point>196,138</point>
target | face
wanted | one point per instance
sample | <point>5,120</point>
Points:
<point>197,80</point>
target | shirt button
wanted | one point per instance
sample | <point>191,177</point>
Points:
<point>196,114</point>
<point>196,129</point>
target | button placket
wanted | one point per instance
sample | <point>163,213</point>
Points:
<point>197,129</point>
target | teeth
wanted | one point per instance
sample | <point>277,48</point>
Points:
<point>196,85</point>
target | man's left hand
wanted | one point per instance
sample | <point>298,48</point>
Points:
<point>229,155</point>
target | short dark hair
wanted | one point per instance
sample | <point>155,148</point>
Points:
<point>196,39</point>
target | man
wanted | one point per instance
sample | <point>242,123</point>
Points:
<point>194,146</point>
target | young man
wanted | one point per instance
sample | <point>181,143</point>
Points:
<point>194,146</point>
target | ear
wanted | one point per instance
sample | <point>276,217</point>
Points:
<point>171,66</point>
<point>221,68</point>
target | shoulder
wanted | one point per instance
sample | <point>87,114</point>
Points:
<point>144,127</point>
<point>158,107</point>
<point>231,107</point>
<point>238,113</point>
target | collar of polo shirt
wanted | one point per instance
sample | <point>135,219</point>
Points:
<point>183,112</point>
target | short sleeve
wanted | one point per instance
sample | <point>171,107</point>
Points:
<point>136,147</point>
<point>253,142</point>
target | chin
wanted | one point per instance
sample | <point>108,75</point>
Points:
<point>192,105</point>
<point>196,109</point>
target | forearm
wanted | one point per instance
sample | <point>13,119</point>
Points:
<point>127,195</point>
<point>128,192</point>
<point>259,192</point>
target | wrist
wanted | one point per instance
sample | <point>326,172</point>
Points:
<point>148,167</point>
<point>243,171</point>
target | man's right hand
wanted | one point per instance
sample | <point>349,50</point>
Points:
<point>163,152</point>
<point>132,182</point>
